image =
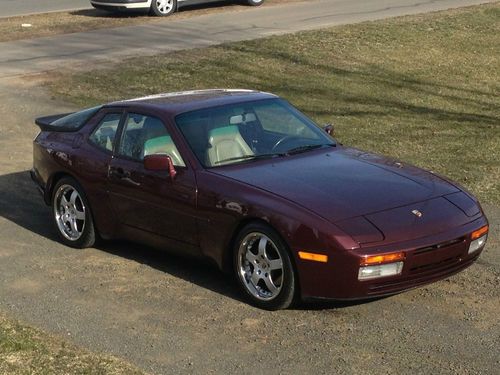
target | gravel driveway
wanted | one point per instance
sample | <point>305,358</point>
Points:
<point>170,315</point>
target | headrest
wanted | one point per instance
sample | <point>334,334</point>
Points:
<point>153,127</point>
<point>226,132</point>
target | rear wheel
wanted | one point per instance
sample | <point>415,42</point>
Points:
<point>163,8</point>
<point>72,215</point>
<point>263,267</point>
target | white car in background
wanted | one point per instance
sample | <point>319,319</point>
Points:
<point>156,7</point>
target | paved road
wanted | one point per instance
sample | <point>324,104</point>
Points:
<point>33,56</point>
<point>10,8</point>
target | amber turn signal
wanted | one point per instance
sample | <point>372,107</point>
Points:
<point>383,258</point>
<point>480,232</point>
<point>313,256</point>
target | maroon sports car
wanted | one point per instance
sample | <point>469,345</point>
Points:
<point>245,179</point>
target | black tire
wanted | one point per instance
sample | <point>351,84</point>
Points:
<point>263,266</point>
<point>162,10</point>
<point>83,233</point>
<point>255,3</point>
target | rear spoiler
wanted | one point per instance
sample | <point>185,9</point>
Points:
<point>45,123</point>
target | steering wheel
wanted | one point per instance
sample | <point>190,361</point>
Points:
<point>284,140</point>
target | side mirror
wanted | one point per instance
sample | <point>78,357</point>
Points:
<point>160,162</point>
<point>329,129</point>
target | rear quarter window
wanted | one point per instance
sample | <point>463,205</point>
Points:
<point>104,134</point>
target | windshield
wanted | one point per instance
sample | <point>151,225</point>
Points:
<point>243,132</point>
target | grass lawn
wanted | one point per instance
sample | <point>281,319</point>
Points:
<point>424,89</point>
<point>54,23</point>
<point>25,350</point>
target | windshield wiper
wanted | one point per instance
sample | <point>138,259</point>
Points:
<point>253,157</point>
<point>293,151</point>
<point>300,149</point>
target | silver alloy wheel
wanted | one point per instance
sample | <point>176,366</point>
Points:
<point>260,266</point>
<point>165,6</point>
<point>69,212</point>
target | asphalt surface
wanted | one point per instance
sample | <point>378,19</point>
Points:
<point>171,315</point>
<point>9,8</point>
<point>91,48</point>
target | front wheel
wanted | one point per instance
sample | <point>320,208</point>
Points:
<point>263,267</point>
<point>163,8</point>
<point>71,214</point>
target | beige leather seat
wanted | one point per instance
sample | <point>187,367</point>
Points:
<point>226,143</point>
<point>163,145</point>
<point>157,141</point>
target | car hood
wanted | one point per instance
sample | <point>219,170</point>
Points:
<point>341,183</point>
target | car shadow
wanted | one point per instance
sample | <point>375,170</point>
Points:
<point>22,204</point>
<point>99,13</point>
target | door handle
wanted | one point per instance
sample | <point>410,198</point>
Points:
<point>123,175</point>
<point>118,173</point>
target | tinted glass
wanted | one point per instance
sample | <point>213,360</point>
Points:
<point>147,135</point>
<point>248,131</point>
<point>104,134</point>
<point>77,119</point>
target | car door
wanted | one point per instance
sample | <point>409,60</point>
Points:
<point>92,164</point>
<point>152,201</point>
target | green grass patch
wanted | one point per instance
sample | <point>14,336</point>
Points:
<point>424,89</point>
<point>24,350</point>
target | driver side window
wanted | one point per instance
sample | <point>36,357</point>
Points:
<point>147,135</point>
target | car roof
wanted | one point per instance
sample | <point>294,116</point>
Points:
<point>186,101</point>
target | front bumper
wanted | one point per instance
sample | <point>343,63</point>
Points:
<point>427,260</point>
<point>122,4</point>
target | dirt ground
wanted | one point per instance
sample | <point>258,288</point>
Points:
<point>169,315</point>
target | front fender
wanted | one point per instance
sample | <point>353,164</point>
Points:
<point>226,206</point>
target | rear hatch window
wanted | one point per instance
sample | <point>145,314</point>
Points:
<point>67,122</point>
